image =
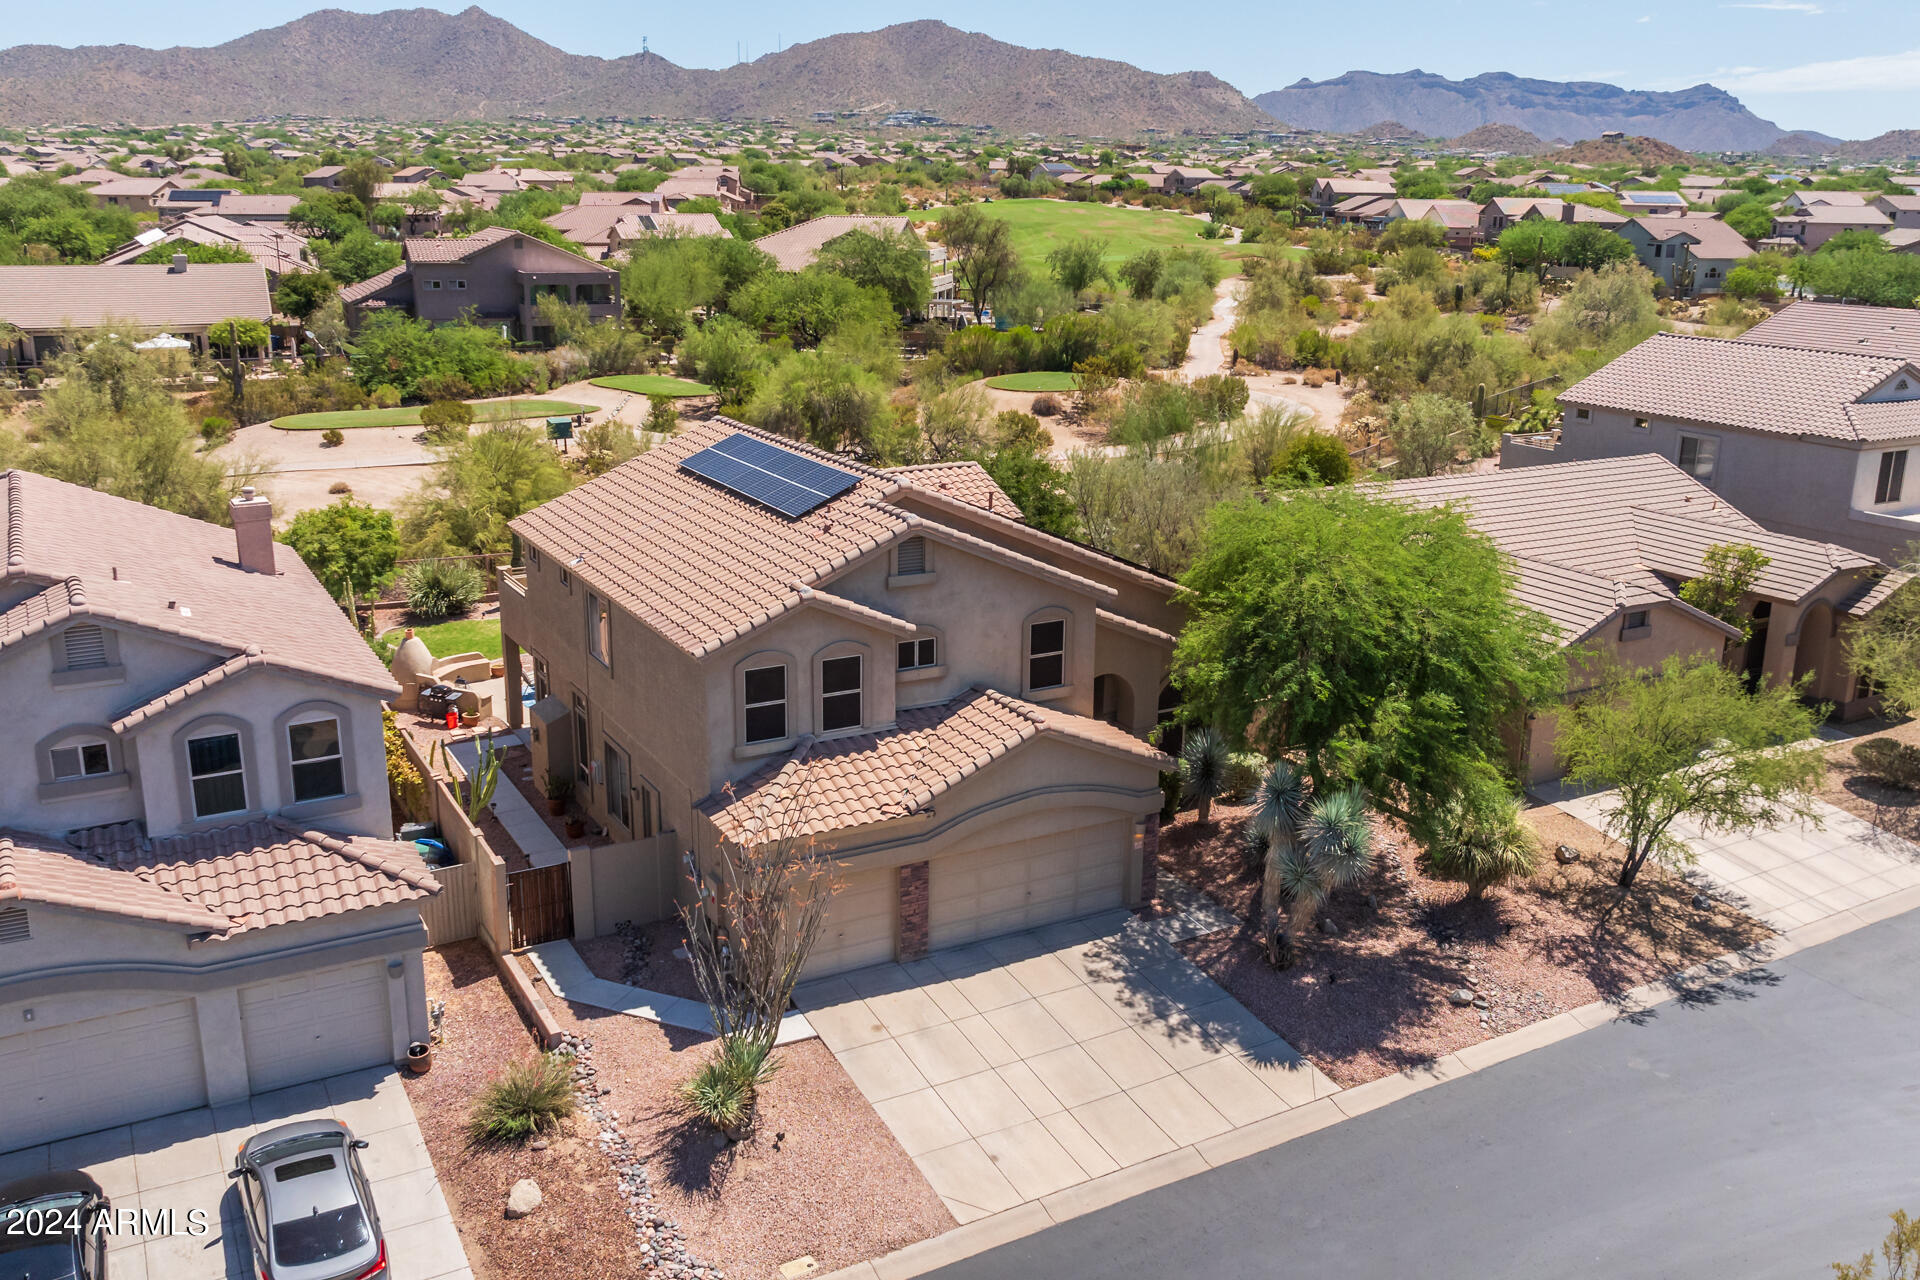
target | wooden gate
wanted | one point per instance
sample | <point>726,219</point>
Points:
<point>540,905</point>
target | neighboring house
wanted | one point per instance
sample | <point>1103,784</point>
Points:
<point>1691,255</point>
<point>1903,210</point>
<point>1600,548</point>
<point>1458,220</point>
<point>1371,212</point>
<point>183,299</point>
<point>889,664</point>
<point>417,173</point>
<point>327,175</point>
<point>1805,423</point>
<point>590,226</point>
<point>1805,201</point>
<point>643,226</point>
<point>1509,211</point>
<point>795,248</point>
<point>1903,240</point>
<point>138,194</point>
<point>1640,204</point>
<point>1822,223</point>
<point>197,896</point>
<point>496,276</point>
<point>273,247</point>
<point>1328,192</point>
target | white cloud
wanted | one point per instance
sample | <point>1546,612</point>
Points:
<point>1895,72</point>
<point>1779,6</point>
<point>1648,18</point>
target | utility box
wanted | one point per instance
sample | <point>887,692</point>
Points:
<point>550,740</point>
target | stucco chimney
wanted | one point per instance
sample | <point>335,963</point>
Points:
<point>179,264</point>
<point>253,530</point>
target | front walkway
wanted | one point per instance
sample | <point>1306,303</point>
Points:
<point>168,1168</point>
<point>568,977</point>
<point>528,829</point>
<point>1794,874</point>
<point>1018,1067</point>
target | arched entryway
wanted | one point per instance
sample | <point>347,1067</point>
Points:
<point>1817,652</point>
<point>1113,701</point>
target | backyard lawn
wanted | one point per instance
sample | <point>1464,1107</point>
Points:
<point>409,415</point>
<point>462,635</point>
<point>654,384</point>
<point>1044,380</point>
<point>1041,226</point>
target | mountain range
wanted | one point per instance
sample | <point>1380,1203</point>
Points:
<point>1702,118</point>
<point>421,64</point>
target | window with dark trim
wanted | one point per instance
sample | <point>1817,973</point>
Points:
<point>840,697</point>
<point>915,654</point>
<point>319,771</point>
<point>1047,654</point>
<point>1893,476</point>
<point>582,743</point>
<point>542,679</point>
<point>219,777</point>
<point>1696,456</point>
<point>619,792</point>
<point>765,690</point>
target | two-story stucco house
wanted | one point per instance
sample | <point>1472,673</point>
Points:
<point>1690,255</point>
<point>735,628</point>
<point>197,898</point>
<point>495,276</point>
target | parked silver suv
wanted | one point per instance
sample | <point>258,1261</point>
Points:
<point>309,1209</point>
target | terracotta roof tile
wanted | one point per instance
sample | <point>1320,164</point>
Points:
<point>47,298</point>
<point>967,481</point>
<point>1835,326</point>
<point>795,248</point>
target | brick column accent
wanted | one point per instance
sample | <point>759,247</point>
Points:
<point>913,911</point>
<point>1150,859</point>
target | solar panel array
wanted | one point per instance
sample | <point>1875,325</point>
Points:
<point>769,475</point>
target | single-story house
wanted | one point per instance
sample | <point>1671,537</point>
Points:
<point>183,299</point>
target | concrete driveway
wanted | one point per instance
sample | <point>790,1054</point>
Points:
<point>168,1169</point>
<point>1021,1066</point>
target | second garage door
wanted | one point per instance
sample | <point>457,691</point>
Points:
<point>1029,873</point>
<point>101,1072</point>
<point>314,1025</point>
<point>858,930</point>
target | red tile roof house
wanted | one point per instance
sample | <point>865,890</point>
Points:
<point>953,702</point>
<point>1691,254</point>
<point>496,276</point>
<point>197,898</point>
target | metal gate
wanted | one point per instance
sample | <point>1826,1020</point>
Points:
<point>540,905</point>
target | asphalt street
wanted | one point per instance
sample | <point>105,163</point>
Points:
<point>1763,1128</point>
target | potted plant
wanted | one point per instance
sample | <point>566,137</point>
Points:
<point>559,791</point>
<point>419,1057</point>
<point>576,826</point>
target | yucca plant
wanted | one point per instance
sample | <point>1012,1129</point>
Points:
<point>726,1086</point>
<point>437,588</point>
<point>532,1095</point>
<point>1315,844</point>
<point>1480,841</point>
<point>1204,760</point>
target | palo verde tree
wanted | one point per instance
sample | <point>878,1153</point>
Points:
<point>1690,741</point>
<point>985,263</point>
<point>1728,572</point>
<point>1885,648</point>
<point>1368,640</point>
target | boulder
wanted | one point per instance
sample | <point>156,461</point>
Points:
<point>1566,853</point>
<point>523,1199</point>
<point>1460,996</point>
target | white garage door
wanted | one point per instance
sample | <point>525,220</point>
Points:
<point>101,1072</point>
<point>1029,873</point>
<point>859,927</point>
<point>314,1025</point>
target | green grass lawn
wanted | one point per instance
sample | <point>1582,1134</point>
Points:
<point>1041,226</point>
<point>1046,380</point>
<point>409,415</point>
<point>462,635</point>
<point>654,384</point>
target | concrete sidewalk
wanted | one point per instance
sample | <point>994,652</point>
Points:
<point>568,977</point>
<point>528,829</point>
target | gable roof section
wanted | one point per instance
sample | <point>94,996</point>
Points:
<point>967,481</point>
<point>823,787</point>
<point>795,248</point>
<point>1836,326</point>
<point>1747,385</point>
<point>1713,238</point>
<point>157,296</point>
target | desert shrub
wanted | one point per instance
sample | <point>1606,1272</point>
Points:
<point>1894,763</point>
<point>531,1096</point>
<point>723,1089</point>
<point>445,386</point>
<point>606,444</point>
<point>446,421</point>
<point>437,588</point>
<point>663,415</point>
<point>1047,406</point>
<point>216,430</point>
<point>1314,458</point>
<point>333,437</point>
<point>1481,843</point>
<point>339,486</point>
<point>385,397</point>
<point>1244,769</point>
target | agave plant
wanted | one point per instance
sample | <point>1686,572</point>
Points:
<point>1315,844</point>
<point>1204,760</point>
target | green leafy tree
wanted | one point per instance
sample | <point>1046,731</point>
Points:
<point>1079,263</point>
<point>1690,742</point>
<point>1313,626</point>
<point>248,334</point>
<point>362,177</point>
<point>663,415</point>
<point>1884,648</point>
<point>1752,220</point>
<point>162,253</point>
<point>1141,273</point>
<point>1314,457</point>
<point>809,306</point>
<point>301,293</point>
<point>331,214</point>
<point>727,356</point>
<point>1428,432</point>
<point>986,265</point>
<point>1036,486</point>
<point>480,484</point>
<point>358,255</point>
<point>350,546</point>
<point>1728,572</point>
<point>894,263</point>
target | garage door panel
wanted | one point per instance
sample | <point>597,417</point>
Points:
<point>100,1072</point>
<point>1069,864</point>
<point>312,1025</point>
<point>858,930</point>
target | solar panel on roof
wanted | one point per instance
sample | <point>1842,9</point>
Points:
<point>769,475</point>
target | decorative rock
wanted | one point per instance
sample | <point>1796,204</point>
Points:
<point>1702,902</point>
<point>1328,927</point>
<point>1460,996</point>
<point>1566,853</point>
<point>539,1144</point>
<point>524,1198</point>
<point>1480,1002</point>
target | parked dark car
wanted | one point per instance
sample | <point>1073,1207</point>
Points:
<point>53,1227</point>
<point>309,1209</point>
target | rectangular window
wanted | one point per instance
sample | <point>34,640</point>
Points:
<point>1697,455</point>
<point>1640,424</point>
<point>597,627</point>
<point>582,743</point>
<point>566,580</point>
<point>766,703</point>
<point>1583,413</point>
<point>86,647</point>
<point>911,558</point>
<point>219,781</point>
<point>542,680</point>
<point>619,795</point>
<point>915,654</point>
<point>82,760</point>
<point>1047,655</point>
<point>459,284</point>
<point>433,284</point>
<point>533,557</point>
<point>318,771</point>
<point>840,694</point>
<point>1893,476</point>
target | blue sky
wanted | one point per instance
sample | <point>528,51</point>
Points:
<point>1846,67</point>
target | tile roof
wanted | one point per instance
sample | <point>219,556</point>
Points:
<point>373,284</point>
<point>36,868</point>
<point>1591,538</point>
<point>115,561</point>
<point>1746,384</point>
<point>254,875</point>
<point>967,481</point>
<point>795,248</point>
<point>50,298</point>
<point>1839,326</point>
<point>1714,238</point>
<point>834,785</point>
<point>453,249</point>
